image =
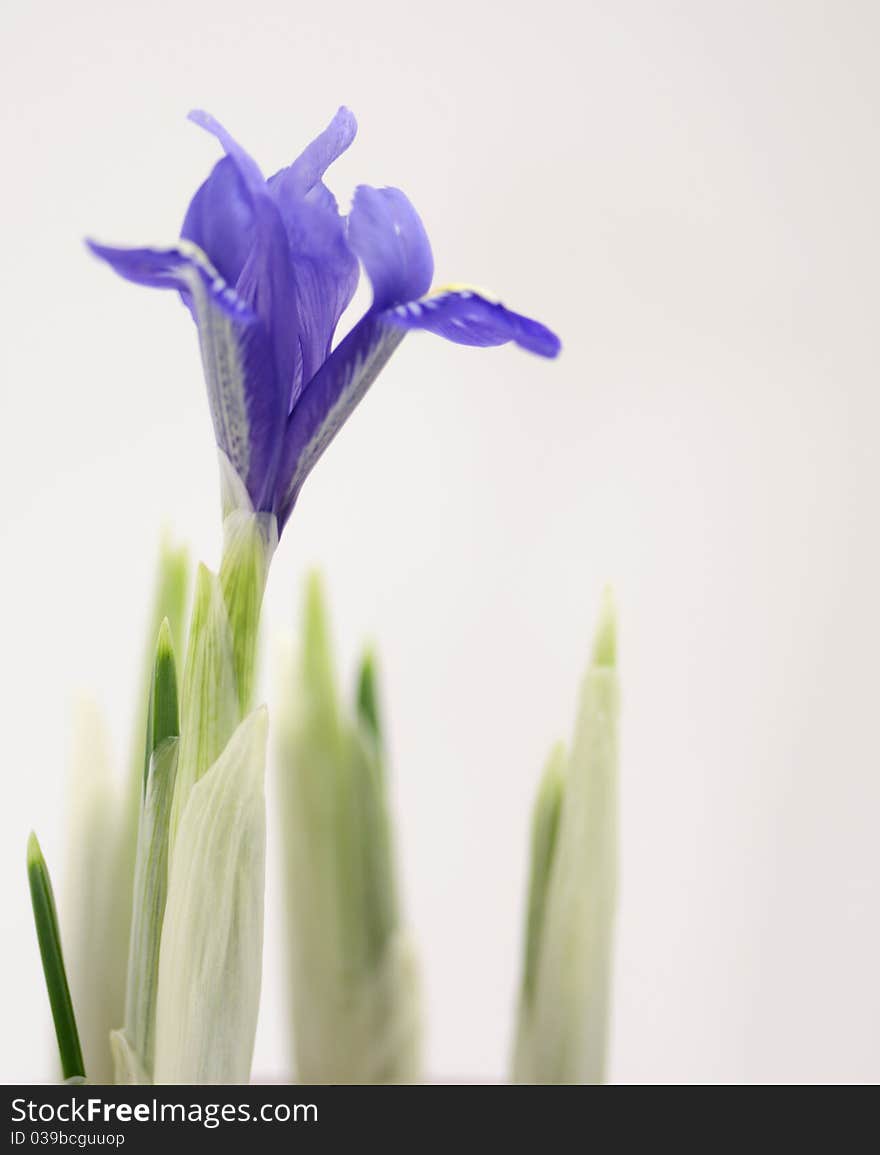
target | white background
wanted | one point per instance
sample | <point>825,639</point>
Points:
<point>688,193</point>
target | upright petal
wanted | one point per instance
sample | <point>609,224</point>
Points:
<point>468,318</point>
<point>220,220</point>
<point>247,167</point>
<point>237,356</point>
<point>325,269</point>
<point>385,231</point>
<point>306,172</point>
<point>326,274</point>
<point>266,280</point>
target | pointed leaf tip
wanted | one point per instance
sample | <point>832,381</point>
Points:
<point>368,695</point>
<point>34,854</point>
<point>49,940</point>
<point>166,720</point>
<point>315,608</point>
<point>163,717</point>
<point>164,643</point>
<point>545,826</point>
<point>605,638</point>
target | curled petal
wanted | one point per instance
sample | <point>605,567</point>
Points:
<point>236,354</point>
<point>466,317</point>
<point>385,231</point>
<point>306,172</point>
<point>349,371</point>
<point>176,267</point>
<point>243,161</point>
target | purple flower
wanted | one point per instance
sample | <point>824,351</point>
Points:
<point>267,267</point>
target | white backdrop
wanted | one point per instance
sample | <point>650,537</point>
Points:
<point>687,192</point>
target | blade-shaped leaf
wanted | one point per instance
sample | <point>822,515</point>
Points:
<point>368,696</point>
<point>564,1006</point>
<point>545,826</point>
<point>96,912</point>
<point>150,891</point>
<point>169,604</point>
<point>353,973</point>
<point>151,867</point>
<point>49,938</point>
<point>163,720</point>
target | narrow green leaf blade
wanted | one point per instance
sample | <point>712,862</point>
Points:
<point>150,894</point>
<point>545,825</point>
<point>368,696</point>
<point>169,604</point>
<point>164,716</point>
<point>49,938</point>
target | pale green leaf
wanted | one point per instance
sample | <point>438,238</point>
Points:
<point>353,975</point>
<point>211,955</point>
<point>150,891</point>
<point>250,540</point>
<point>564,1012</point>
<point>126,1062</point>
<point>545,826</point>
<point>209,698</point>
<point>96,907</point>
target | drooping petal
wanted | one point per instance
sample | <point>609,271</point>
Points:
<point>325,269</point>
<point>385,231</point>
<point>237,356</point>
<point>349,371</point>
<point>468,318</point>
<point>329,399</point>
<point>174,267</point>
<point>220,220</point>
